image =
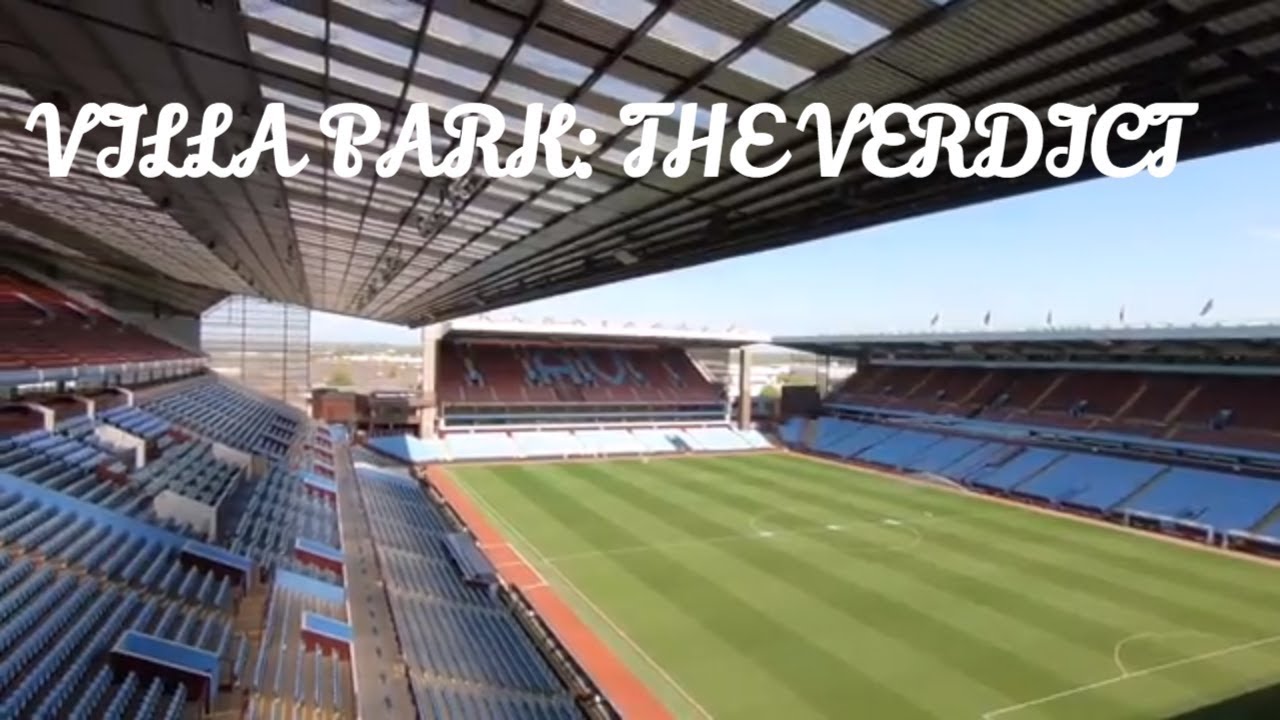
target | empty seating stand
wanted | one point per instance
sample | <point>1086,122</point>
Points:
<point>1015,470</point>
<point>45,328</point>
<point>899,449</point>
<point>85,561</point>
<point>610,442</point>
<point>72,467</point>
<point>477,374</point>
<point>1214,409</point>
<point>232,417</point>
<point>56,628</point>
<point>481,446</point>
<point>465,649</point>
<point>547,444</point>
<point>1219,500</point>
<point>1090,482</point>
<point>137,422</point>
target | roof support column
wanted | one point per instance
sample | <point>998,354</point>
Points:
<point>427,396</point>
<point>744,388</point>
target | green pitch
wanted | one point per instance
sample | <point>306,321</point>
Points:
<point>773,587</point>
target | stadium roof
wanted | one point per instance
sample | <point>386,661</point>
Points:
<point>371,247</point>
<point>1193,342</point>
<point>580,330</point>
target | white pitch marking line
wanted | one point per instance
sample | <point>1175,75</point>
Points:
<point>519,536</point>
<point>1115,653</point>
<point>542,580</point>
<point>1136,674</point>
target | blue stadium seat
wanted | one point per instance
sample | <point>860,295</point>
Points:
<point>900,448</point>
<point>481,446</point>
<point>1094,482</point>
<point>1015,470</point>
<point>1217,499</point>
<point>610,442</point>
<point>547,444</point>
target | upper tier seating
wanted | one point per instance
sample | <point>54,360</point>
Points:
<point>1091,393</point>
<point>519,375</point>
<point>1250,402</point>
<point>43,328</point>
<point>1232,411</point>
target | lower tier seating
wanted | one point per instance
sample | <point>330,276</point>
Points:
<point>1099,483</point>
<point>551,443</point>
<point>466,653</point>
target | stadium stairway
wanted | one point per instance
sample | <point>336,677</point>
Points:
<point>453,637</point>
<point>1181,406</point>
<point>808,432</point>
<point>1269,524</point>
<point>1136,496</point>
<point>1128,404</point>
<point>1089,482</point>
<point>1017,469</point>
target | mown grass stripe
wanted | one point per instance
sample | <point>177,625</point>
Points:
<point>1198,603</point>
<point>723,614</point>
<point>955,586</point>
<point>644,604</point>
<point>865,635</point>
<point>963,646</point>
<point>1237,577</point>
<point>1003,605</point>
<point>1030,597</point>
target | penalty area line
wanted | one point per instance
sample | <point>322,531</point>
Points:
<point>1135,674</point>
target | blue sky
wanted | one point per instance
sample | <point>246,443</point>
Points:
<point>1161,248</point>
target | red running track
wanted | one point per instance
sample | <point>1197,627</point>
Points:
<point>624,690</point>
